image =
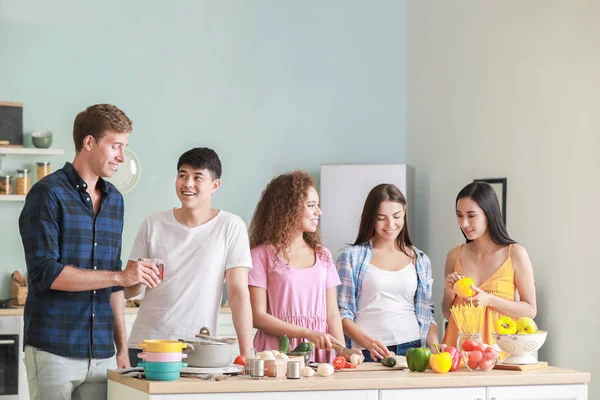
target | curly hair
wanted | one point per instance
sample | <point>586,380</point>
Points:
<point>279,212</point>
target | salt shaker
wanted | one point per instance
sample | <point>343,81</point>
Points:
<point>293,370</point>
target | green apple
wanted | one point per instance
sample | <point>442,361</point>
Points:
<point>526,325</point>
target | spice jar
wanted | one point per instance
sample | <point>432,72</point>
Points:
<point>23,181</point>
<point>43,169</point>
<point>5,187</point>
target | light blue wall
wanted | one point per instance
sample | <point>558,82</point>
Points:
<point>271,85</point>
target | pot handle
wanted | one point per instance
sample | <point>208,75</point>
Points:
<point>188,349</point>
<point>205,331</point>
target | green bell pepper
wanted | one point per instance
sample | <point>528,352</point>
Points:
<point>418,359</point>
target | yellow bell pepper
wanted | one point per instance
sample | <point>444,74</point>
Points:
<point>462,287</point>
<point>506,326</point>
<point>441,362</point>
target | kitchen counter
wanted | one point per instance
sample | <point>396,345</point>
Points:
<point>120,386</point>
<point>18,311</point>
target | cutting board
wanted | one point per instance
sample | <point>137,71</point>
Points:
<point>366,366</point>
<point>525,367</point>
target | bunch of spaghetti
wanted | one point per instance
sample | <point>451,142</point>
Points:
<point>468,318</point>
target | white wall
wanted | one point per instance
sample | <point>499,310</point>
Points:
<point>271,85</point>
<point>510,89</point>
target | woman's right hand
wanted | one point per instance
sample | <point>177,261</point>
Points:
<point>451,279</point>
<point>377,349</point>
<point>322,340</point>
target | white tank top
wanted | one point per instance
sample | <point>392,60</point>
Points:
<point>386,305</point>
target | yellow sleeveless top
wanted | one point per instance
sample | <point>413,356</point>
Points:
<point>501,284</point>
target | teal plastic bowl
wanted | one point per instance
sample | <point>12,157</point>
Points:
<point>161,376</point>
<point>166,367</point>
<point>162,371</point>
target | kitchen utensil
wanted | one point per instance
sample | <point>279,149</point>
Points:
<point>162,357</point>
<point>257,367</point>
<point>205,335</point>
<point>162,366</point>
<point>162,346</point>
<point>162,371</point>
<point>346,352</point>
<point>208,353</point>
<point>524,367</point>
<point>42,140</point>
<point>232,369</point>
<point>366,366</point>
<point>521,346</point>
<point>293,370</point>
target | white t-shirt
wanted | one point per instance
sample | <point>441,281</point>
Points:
<point>386,305</point>
<point>195,261</point>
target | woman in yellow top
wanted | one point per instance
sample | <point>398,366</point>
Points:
<point>499,266</point>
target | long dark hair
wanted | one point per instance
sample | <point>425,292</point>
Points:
<point>485,196</point>
<point>377,195</point>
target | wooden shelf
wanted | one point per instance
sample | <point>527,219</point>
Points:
<point>24,151</point>
<point>12,197</point>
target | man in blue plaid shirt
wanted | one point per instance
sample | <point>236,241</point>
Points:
<point>71,228</point>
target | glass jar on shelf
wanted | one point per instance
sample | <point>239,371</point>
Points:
<point>5,187</point>
<point>23,181</point>
<point>43,169</point>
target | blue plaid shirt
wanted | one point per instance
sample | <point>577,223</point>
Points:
<point>58,228</point>
<point>351,266</point>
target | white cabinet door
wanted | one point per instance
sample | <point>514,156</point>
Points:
<point>541,392</point>
<point>477,393</point>
<point>329,395</point>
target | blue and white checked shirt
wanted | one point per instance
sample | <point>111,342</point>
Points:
<point>58,228</point>
<point>351,267</point>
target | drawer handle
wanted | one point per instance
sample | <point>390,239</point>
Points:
<point>7,342</point>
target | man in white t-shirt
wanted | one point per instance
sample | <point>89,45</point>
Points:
<point>201,247</point>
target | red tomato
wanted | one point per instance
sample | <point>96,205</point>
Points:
<point>349,365</point>
<point>475,356</point>
<point>472,365</point>
<point>478,347</point>
<point>486,365</point>
<point>240,360</point>
<point>490,354</point>
<point>468,345</point>
<point>339,362</point>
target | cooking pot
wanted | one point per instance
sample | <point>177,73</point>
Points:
<point>209,352</point>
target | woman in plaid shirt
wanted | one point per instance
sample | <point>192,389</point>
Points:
<point>385,296</point>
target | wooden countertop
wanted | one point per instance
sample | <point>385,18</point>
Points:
<point>360,381</point>
<point>17,311</point>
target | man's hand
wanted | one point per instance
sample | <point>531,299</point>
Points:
<point>143,272</point>
<point>123,359</point>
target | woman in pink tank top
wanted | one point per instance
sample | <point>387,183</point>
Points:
<point>293,280</point>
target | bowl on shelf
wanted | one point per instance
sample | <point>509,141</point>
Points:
<point>42,140</point>
<point>520,346</point>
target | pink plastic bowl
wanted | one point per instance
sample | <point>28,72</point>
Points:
<point>162,357</point>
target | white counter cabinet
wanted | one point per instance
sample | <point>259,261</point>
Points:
<point>548,384</point>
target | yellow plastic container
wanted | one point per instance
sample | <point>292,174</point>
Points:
<point>163,346</point>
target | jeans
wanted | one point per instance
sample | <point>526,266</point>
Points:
<point>133,358</point>
<point>53,377</point>
<point>398,349</point>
